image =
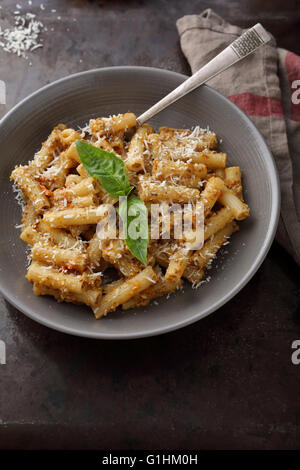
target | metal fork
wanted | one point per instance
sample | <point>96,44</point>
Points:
<point>243,46</point>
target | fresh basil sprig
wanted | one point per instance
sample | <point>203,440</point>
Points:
<point>105,166</point>
<point>134,215</point>
<point>110,171</point>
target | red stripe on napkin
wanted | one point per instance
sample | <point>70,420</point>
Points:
<point>256,105</point>
<point>292,65</point>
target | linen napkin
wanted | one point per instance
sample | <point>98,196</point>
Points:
<point>266,90</point>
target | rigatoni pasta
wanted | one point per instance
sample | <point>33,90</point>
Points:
<point>65,206</point>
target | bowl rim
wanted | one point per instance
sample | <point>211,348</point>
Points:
<point>263,251</point>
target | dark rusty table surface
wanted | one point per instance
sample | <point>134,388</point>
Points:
<point>224,382</point>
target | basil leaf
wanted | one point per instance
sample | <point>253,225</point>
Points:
<point>110,171</point>
<point>106,167</point>
<point>134,215</point>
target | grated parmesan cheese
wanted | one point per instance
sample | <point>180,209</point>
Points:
<point>23,37</point>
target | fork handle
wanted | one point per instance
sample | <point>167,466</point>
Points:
<point>244,45</point>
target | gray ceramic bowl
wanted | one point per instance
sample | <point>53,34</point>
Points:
<point>75,99</point>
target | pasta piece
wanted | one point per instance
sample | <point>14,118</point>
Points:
<point>104,144</point>
<point>135,155</point>
<point>233,180</point>
<point>56,235</point>
<point>94,251</point>
<point>187,174</point>
<point>166,220</point>
<point>121,294</point>
<point>155,146</point>
<point>89,297</point>
<point>53,278</point>
<point>109,287</point>
<point>220,172</point>
<point>85,187</point>
<point>72,154</point>
<point>82,171</point>
<point>205,139</point>
<point>177,265</point>
<point>75,216</point>
<point>211,159</point>
<point>55,175</point>
<point>69,136</point>
<point>195,150</point>
<point>67,258</point>
<point>71,180</point>
<point>84,201</point>
<point>233,176</point>
<point>30,217</point>
<point>63,198</point>
<point>48,151</point>
<point>194,275</point>
<point>160,288</point>
<point>115,253</point>
<point>150,190</point>
<point>30,235</point>
<point>204,256</point>
<point>123,122</point>
<point>217,221</point>
<point>114,124</point>
<point>211,193</point>
<point>239,209</point>
<point>162,251</point>
<point>30,188</point>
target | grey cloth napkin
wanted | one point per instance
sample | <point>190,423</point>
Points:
<point>266,91</point>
